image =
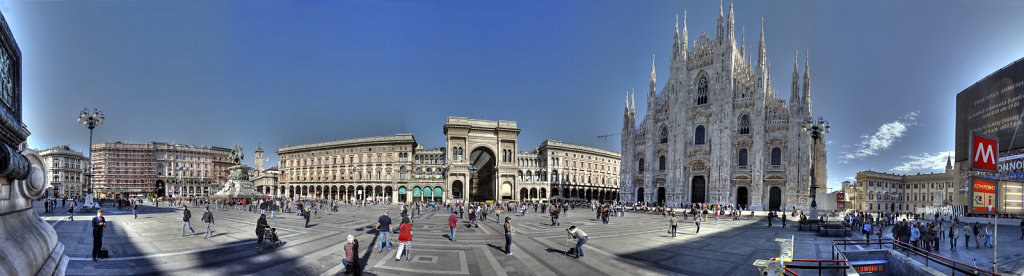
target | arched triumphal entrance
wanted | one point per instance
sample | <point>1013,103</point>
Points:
<point>482,173</point>
<point>477,151</point>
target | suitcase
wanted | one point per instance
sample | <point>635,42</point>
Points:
<point>104,253</point>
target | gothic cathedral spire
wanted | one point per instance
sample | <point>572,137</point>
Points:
<point>675,41</point>
<point>653,79</point>
<point>743,41</point>
<point>731,27</point>
<point>685,41</point>
<point>794,96</point>
<point>807,81</point>
<point>720,33</point>
<point>761,57</point>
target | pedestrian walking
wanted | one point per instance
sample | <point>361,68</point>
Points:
<point>783,220</point>
<point>554,217</point>
<point>698,226</point>
<point>71,213</point>
<point>453,223</point>
<point>673,225</point>
<point>98,223</point>
<point>769,220</point>
<point>509,231</point>
<point>305,215</point>
<point>135,210</point>
<point>384,232</point>
<point>208,219</point>
<point>186,216</point>
<point>404,240</point>
<point>581,238</point>
<point>351,258</point>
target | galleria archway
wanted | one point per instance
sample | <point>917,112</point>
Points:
<point>482,183</point>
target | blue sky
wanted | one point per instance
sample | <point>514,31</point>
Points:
<point>885,73</point>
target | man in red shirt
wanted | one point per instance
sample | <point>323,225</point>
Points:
<point>351,259</point>
<point>404,240</point>
<point>453,222</point>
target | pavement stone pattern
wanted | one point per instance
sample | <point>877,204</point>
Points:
<point>637,244</point>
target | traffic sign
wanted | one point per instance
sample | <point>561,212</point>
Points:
<point>984,152</point>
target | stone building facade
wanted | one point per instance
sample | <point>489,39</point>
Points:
<point>481,162</point>
<point>159,169</point>
<point>879,191</point>
<point>65,171</point>
<point>718,132</point>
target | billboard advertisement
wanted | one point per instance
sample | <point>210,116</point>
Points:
<point>992,106</point>
<point>1011,197</point>
<point>983,195</point>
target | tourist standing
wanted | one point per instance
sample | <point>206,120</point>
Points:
<point>186,216</point>
<point>452,223</point>
<point>98,223</point>
<point>135,210</point>
<point>208,219</point>
<point>977,234</point>
<point>915,234</point>
<point>509,231</point>
<point>783,220</point>
<point>404,240</point>
<point>673,225</point>
<point>988,236</point>
<point>384,232</point>
<point>769,220</point>
<point>581,238</point>
<point>954,233</point>
<point>305,215</point>
<point>554,216</point>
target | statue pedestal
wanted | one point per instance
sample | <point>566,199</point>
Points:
<point>239,185</point>
<point>28,245</point>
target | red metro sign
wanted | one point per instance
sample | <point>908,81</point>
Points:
<point>984,152</point>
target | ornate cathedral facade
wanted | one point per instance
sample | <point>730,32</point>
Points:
<point>718,132</point>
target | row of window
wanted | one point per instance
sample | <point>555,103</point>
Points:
<point>742,159</point>
<point>699,133</point>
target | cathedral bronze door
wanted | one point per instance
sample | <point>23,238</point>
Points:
<point>640,194</point>
<point>698,190</point>
<point>774,199</point>
<point>742,198</point>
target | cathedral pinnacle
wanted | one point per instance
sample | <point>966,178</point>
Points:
<point>731,27</point>
<point>653,82</point>
<point>721,23</point>
<point>807,80</point>
<point>743,40</point>
<point>761,58</point>
<point>684,39</point>
<point>794,96</point>
<point>675,40</point>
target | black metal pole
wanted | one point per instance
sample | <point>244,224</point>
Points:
<point>89,174</point>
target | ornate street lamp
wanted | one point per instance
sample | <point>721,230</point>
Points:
<point>817,131</point>
<point>90,120</point>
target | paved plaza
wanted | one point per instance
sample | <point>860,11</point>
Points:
<point>637,244</point>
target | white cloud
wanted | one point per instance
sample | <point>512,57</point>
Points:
<point>886,135</point>
<point>924,163</point>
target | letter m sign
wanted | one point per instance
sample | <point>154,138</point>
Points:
<point>984,152</point>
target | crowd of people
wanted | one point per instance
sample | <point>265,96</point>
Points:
<point>905,227</point>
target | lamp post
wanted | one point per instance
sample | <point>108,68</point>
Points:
<point>817,131</point>
<point>90,120</point>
